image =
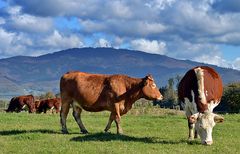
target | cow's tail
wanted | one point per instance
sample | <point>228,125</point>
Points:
<point>61,84</point>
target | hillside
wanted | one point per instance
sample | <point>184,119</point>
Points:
<point>23,74</point>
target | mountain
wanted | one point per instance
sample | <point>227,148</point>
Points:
<point>24,74</point>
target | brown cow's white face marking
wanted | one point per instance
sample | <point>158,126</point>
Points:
<point>204,123</point>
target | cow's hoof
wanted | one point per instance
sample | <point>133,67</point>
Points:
<point>107,131</point>
<point>65,132</point>
<point>196,137</point>
<point>84,131</point>
<point>120,133</point>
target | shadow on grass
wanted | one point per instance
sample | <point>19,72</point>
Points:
<point>102,137</point>
<point>16,132</point>
<point>115,137</point>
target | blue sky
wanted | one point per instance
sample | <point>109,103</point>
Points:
<point>204,31</point>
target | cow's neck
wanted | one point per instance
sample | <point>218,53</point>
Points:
<point>134,90</point>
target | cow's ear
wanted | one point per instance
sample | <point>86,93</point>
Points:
<point>218,118</point>
<point>149,77</point>
<point>193,118</point>
<point>145,81</point>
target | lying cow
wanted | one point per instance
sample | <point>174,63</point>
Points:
<point>48,104</point>
<point>17,104</point>
<point>96,92</point>
<point>200,91</point>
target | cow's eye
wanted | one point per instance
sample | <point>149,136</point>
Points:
<point>153,86</point>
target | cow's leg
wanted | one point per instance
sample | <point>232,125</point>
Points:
<point>190,108</point>
<point>30,108</point>
<point>77,116</point>
<point>52,110</point>
<point>191,128</point>
<point>196,134</point>
<point>63,114</point>
<point>118,119</point>
<point>111,118</point>
<point>45,110</point>
<point>57,108</point>
<point>19,109</point>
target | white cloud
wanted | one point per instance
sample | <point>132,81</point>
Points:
<point>13,44</point>
<point>2,21</point>
<point>159,4</point>
<point>13,10</point>
<point>18,21</point>
<point>183,49</point>
<point>103,43</point>
<point>229,38</point>
<point>119,9</point>
<point>214,60</point>
<point>92,26</point>
<point>30,23</point>
<point>58,41</point>
<point>154,46</point>
<point>9,44</point>
<point>236,63</point>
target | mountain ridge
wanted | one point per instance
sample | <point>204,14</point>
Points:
<point>42,73</point>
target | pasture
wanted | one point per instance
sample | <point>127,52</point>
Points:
<point>146,130</point>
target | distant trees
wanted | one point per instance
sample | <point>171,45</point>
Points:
<point>169,92</point>
<point>231,99</point>
<point>47,95</point>
<point>58,95</point>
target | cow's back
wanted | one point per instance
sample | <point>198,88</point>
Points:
<point>83,87</point>
<point>190,87</point>
<point>212,84</point>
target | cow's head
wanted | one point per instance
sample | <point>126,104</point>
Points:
<point>150,89</point>
<point>204,123</point>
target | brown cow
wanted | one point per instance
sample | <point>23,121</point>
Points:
<point>200,91</point>
<point>17,104</point>
<point>44,105</point>
<point>96,92</point>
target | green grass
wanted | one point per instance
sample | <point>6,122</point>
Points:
<point>145,131</point>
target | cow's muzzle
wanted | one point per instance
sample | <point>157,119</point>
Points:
<point>160,98</point>
<point>208,142</point>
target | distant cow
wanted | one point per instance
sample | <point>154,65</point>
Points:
<point>17,104</point>
<point>96,92</point>
<point>200,91</point>
<point>48,104</point>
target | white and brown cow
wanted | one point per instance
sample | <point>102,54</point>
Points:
<point>200,91</point>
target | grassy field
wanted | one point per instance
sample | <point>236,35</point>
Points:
<point>146,130</point>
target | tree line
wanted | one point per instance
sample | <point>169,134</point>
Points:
<point>230,100</point>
